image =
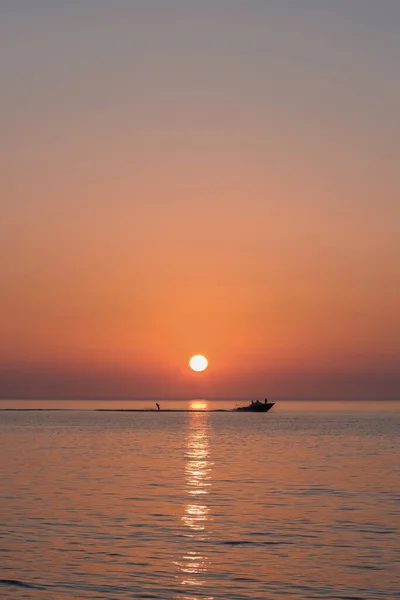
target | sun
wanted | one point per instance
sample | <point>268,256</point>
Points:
<point>198,363</point>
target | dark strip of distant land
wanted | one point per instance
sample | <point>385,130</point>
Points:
<point>152,410</point>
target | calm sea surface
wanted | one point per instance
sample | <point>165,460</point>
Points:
<point>301,502</point>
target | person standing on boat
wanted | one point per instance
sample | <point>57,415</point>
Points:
<point>158,406</point>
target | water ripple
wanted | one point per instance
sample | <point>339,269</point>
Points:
<point>188,507</point>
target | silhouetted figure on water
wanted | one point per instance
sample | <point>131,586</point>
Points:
<point>158,406</point>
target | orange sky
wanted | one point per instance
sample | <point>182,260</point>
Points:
<point>215,181</point>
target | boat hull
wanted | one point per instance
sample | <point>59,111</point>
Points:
<point>256,407</point>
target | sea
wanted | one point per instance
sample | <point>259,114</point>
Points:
<point>301,502</point>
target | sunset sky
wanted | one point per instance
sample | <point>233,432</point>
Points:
<point>213,176</point>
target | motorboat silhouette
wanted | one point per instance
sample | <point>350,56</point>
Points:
<point>256,406</point>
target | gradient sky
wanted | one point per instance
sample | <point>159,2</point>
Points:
<point>214,176</point>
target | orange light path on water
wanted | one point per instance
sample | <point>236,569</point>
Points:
<point>198,473</point>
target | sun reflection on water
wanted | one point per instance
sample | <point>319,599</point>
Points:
<point>198,405</point>
<point>194,564</point>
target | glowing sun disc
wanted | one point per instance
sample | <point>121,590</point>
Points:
<point>198,363</point>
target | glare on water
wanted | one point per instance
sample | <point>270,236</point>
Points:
<point>198,474</point>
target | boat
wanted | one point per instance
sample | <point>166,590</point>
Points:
<point>256,406</point>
